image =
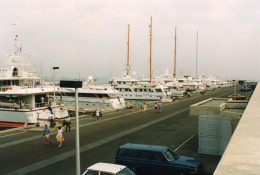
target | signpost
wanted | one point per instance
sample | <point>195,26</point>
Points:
<point>76,85</point>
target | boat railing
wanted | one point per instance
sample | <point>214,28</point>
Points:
<point>14,105</point>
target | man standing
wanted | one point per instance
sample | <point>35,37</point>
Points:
<point>97,114</point>
<point>160,106</point>
<point>46,135</point>
<point>68,123</point>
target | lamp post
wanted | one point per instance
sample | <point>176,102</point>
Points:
<point>76,85</point>
<point>54,82</point>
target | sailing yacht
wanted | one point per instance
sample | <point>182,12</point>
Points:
<point>23,101</point>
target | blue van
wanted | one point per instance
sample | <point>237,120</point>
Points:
<point>156,160</point>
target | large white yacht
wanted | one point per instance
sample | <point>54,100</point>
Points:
<point>22,99</point>
<point>131,89</point>
<point>91,97</point>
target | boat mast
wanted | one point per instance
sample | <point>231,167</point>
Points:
<point>197,54</point>
<point>128,66</point>
<point>174,74</point>
<point>151,51</point>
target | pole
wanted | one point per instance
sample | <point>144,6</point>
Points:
<point>77,134</point>
<point>128,43</point>
<point>151,51</point>
<point>175,54</point>
<point>197,54</point>
<point>54,101</point>
<point>54,81</point>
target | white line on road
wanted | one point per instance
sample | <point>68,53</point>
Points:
<point>185,142</point>
<point>12,134</point>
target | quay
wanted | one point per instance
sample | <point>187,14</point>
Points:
<point>23,150</point>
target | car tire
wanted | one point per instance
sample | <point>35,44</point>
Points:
<point>180,172</point>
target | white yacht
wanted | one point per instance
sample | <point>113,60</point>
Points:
<point>169,81</point>
<point>22,99</point>
<point>92,97</point>
<point>131,89</point>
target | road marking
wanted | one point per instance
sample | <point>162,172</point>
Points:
<point>12,134</point>
<point>185,142</point>
<point>60,157</point>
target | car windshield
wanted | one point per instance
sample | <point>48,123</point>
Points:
<point>169,154</point>
<point>126,171</point>
<point>91,173</point>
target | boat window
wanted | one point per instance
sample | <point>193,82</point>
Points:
<point>145,90</point>
<point>15,72</point>
<point>158,90</point>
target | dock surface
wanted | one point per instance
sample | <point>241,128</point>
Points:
<point>23,150</point>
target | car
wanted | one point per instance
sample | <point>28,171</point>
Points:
<point>237,97</point>
<point>107,169</point>
<point>156,160</point>
<point>245,89</point>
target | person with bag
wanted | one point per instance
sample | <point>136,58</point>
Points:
<point>60,136</point>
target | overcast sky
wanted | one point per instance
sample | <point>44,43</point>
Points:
<point>89,37</point>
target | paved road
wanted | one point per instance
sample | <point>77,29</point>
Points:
<point>24,152</point>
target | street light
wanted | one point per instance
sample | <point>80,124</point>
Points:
<point>54,82</point>
<point>76,85</point>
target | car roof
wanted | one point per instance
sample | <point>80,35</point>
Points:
<point>107,167</point>
<point>144,147</point>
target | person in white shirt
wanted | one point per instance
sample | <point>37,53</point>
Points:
<point>97,114</point>
<point>60,136</point>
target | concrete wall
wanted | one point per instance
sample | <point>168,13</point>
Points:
<point>200,109</point>
<point>236,105</point>
<point>242,155</point>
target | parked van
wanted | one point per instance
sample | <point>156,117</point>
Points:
<point>156,160</point>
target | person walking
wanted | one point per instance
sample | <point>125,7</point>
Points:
<point>140,106</point>
<point>97,114</point>
<point>68,123</point>
<point>60,136</point>
<point>155,107</point>
<point>46,134</point>
<point>160,107</point>
<point>144,107</point>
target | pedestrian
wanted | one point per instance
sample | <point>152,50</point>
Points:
<point>160,107</point>
<point>46,134</point>
<point>97,114</point>
<point>60,136</point>
<point>68,123</point>
<point>155,107</point>
<point>140,106</point>
<point>144,107</point>
<point>51,121</point>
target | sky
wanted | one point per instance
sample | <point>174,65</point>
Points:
<point>89,37</point>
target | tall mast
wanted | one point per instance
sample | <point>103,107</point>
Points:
<point>151,51</point>
<point>128,66</point>
<point>197,54</point>
<point>174,74</point>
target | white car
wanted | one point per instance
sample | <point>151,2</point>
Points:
<point>107,169</point>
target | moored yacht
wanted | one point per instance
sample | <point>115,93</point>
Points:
<point>131,89</point>
<point>22,99</point>
<point>91,97</point>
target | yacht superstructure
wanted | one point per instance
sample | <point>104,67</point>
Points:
<point>22,99</point>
